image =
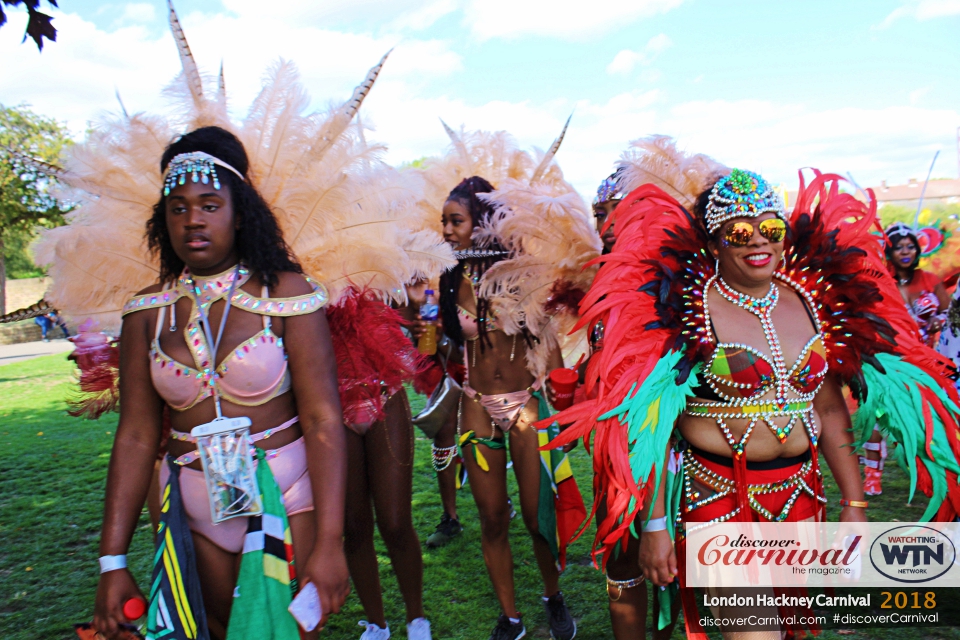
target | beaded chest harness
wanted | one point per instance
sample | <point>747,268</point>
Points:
<point>204,292</point>
<point>799,407</point>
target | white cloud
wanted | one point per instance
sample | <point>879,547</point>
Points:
<point>76,79</point>
<point>568,19</point>
<point>330,11</point>
<point>775,139</point>
<point>922,10</point>
<point>424,17</point>
<point>137,12</point>
<point>624,62</point>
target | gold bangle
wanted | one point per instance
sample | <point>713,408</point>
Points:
<point>861,504</point>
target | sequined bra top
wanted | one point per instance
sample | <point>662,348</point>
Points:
<point>736,377</point>
<point>738,372</point>
<point>253,373</point>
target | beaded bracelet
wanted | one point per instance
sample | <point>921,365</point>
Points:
<point>862,504</point>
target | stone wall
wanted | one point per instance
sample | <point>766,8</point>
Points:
<point>23,293</point>
<point>20,294</point>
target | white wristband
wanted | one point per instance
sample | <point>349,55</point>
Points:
<point>655,524</point>
<point>112,563</point>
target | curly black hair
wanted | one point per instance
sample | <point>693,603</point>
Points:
<point>480,211</point>
<point>259,242</point>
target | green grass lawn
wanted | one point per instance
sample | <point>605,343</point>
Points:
<point>52,473</point>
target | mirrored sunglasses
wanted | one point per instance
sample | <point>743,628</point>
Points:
<point>739,234</point>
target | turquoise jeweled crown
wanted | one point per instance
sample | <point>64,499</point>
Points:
<point>742,194</point>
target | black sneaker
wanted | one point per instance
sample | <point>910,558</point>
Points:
<point>562,625</point>
<point>447,530</point>
<point>505,630</point>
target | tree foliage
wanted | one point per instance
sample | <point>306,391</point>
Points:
<point>30,148</point>
<point>932,213</point>
<point>39,26</point>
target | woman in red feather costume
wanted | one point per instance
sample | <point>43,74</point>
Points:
<point>728,334</point>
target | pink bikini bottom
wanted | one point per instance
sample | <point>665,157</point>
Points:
<point>289,466</point>
<point>503,408</point>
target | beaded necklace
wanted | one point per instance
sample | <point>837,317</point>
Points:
<point>763,309</point>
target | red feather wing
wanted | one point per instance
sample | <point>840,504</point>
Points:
<point>643,294</point>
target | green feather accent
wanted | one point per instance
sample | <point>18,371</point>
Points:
<point>649,414</point>
<point>894,402</point>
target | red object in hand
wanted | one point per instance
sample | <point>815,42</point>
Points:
<point>564,383</point>
<point>134,608</point>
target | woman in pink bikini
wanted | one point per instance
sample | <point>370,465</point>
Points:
<point>497,400</point>
<point>209,340</point>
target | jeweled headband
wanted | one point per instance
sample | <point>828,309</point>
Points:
<point>742,194</point>
<point>201,165</point>
<point>608,190</point>
<point>902,230</point>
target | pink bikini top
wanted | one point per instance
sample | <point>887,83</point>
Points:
<point>468,321</point>
<point>252,374</point>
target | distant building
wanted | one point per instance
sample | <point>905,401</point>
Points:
<point>938,192</point>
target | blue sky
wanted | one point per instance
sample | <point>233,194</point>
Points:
<point>871,86</point>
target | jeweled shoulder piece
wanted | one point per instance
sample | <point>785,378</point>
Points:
<point>284,307</point>
<point>200,166</point>
<point>742,194</point>
<point>151,301</point>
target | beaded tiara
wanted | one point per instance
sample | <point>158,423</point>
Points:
<point>201,165</point>
<point>900,229</point>
<point>608,190</point>
<point>742,194</point>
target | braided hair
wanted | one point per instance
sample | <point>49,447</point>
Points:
<point>480,211</point>
<point>259,241</point>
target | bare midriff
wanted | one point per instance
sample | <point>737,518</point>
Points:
<point>492,370</point>
<point>763,445</point>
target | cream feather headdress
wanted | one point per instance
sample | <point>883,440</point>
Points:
<point>350,219</point>
<point>495,156</point>
<point>656,160</point>
<point>548,232</point>
<point>541,220</point>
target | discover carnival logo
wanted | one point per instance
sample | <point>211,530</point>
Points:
<point>822,554</point>
<point>912,553</point>
<point>743,551</point>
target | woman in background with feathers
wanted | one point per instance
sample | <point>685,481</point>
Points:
<point>496,373</point>
<point>379,448</point>
<point>926,301</point>
<point>626,586</point>
<point>738,310</point>
<point>504,355</point>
